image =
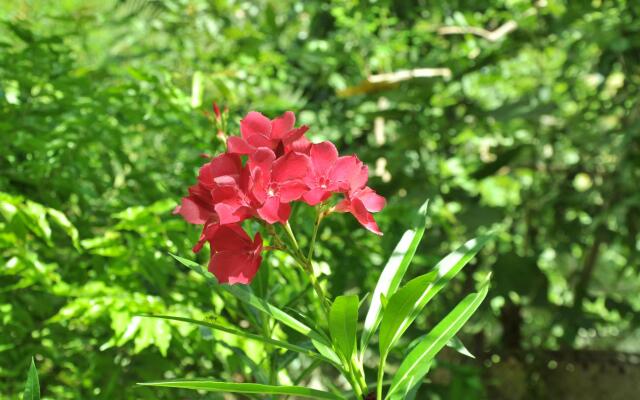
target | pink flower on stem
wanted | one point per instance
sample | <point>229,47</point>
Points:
<point>283,166</point>
<point>329,173</point>
<point>361,203</point>
<point>235,258</point>
<point>257,131</point>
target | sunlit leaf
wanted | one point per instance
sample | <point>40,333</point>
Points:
<point>242,333</point>
<point>392,275</point>
<point>246,388</point>
<point>244,294</point>
<point>343,322</point>
<point>416,364</point>
<point>409,301</point>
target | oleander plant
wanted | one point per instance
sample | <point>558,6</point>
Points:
<point>244,199</point>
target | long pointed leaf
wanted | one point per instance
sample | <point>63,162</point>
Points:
<point>32,387</point>
<point>409,301</point>
<point>416,364</point>
<point>392,275</point>
<point>247,388</point>
<point>343,323</point>
<point>244,294</point>
<point>248,335</point>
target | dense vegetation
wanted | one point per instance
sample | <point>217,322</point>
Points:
<point>514,115</point>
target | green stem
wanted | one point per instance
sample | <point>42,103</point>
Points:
<point>316,225</point>
<point>306,265</point>
<point>383,360</point>
<point>359,376</point>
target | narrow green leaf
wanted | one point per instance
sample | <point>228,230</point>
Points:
<point>409,301</point>
<point>320,341</point>
<point>343,323</point>
<point>400,308</point>
<point>245,334</point>
<point>32,387</point>
<point>392,275</point>
<point>247,388</point>
<point>245,295</point>
<point>416,364</point>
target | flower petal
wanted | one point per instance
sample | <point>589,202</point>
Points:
<point>359,177</point>
<point>224,164</point>
<point>273,211</point>
<point>323,156</point>
<point>282,125</point>
<point>291,190</point>
<point>371,200</point>
<point>230,237</point>
<point>301,145</point>
<point>192,212</point>
<point>316,196</point>
<point>364,217</point>
<point>238,145</point>
<point>234,267</point>
<point>295,134</point>
<point>255,123</point>
<point>290,166</point>
<point>343,170</point>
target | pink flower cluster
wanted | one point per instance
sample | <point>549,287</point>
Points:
<point>281,166</point>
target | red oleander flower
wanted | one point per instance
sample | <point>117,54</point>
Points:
<point>282,166</point>
<point>361,203</point>
<point>329,173</point>
<point>235,258</point>
<point>258,131</point>
<point>199,206</point>
<point>277,182</point>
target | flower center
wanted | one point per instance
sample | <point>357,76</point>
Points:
<point>272,190</point>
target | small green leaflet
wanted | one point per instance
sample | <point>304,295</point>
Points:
<point>247,388</point>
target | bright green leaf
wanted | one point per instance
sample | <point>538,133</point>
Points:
<point>247,388</point>
<point>392,275</point>
<point>409,301</point>
<point>245,334</point>
<point>244,294</point>
<point>416,364</point>
<point>343,323</point>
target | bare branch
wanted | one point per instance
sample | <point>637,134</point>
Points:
<point>492,36</point>
<point>379,82</point>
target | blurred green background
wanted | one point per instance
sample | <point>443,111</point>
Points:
<point>517,115</point>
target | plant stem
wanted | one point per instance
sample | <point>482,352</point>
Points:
<point>306,265</point>
<point>383,360</point>
<point>316,225</point>
<point>359,375</point>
